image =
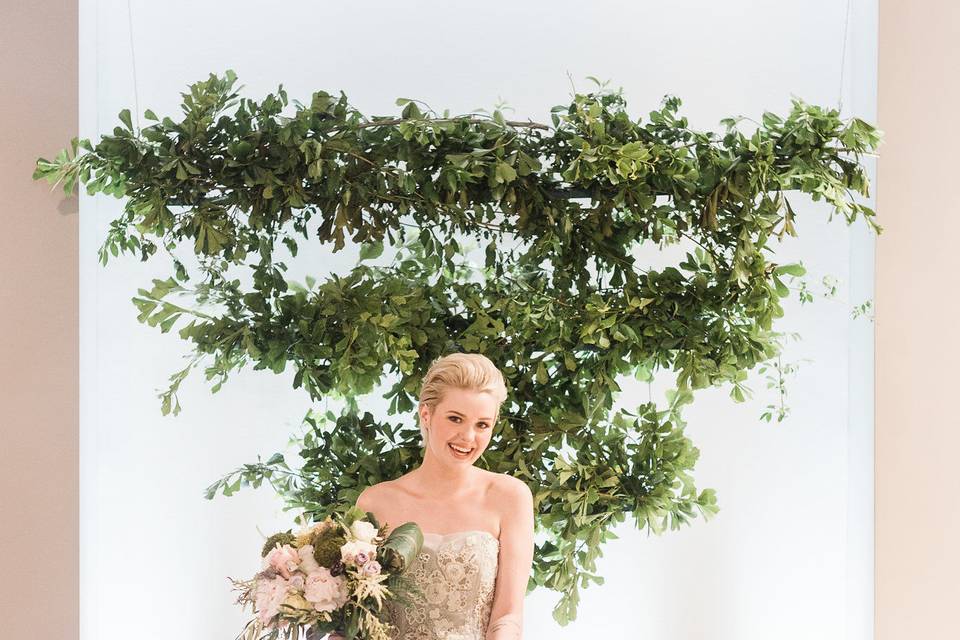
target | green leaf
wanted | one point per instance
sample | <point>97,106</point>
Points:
<point>505,173</point>
<point>791,269</point>
<point>782,290</point>
<point>125,118</point>
<point>370,250</point>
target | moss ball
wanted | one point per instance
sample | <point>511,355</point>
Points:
<point>284,537</point>
<point>326,548</point>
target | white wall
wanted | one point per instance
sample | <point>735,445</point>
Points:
<point>790,554</point>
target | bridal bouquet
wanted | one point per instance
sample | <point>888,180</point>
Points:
<point>330,577</point>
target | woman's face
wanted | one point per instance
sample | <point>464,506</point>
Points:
<point>462,418</point>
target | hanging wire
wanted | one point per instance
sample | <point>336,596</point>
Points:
<point>133,60</point>
<point>136,101</point>
<point>843,55</point>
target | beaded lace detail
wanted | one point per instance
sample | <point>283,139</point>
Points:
<point>457,573</point>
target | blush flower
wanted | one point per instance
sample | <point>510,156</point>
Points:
<point>324,591</point>
<point>284,559</point>
<point>270,594</point>
<point>372,568</point>
<point>296,582</point>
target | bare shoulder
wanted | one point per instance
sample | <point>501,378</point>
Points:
<point>509,489</point>
<point>515,506</point>
<point>372,496</point>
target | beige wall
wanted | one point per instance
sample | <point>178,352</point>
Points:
<point>39,469</point>
<point>917,315</point>
<point>917,308</point>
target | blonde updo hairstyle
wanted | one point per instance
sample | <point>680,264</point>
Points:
<point>470,371</point>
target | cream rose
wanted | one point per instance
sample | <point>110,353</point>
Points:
<point>363,531</point>
<point>308,564</point>
<point>297,601</point>
<point>349,551</point>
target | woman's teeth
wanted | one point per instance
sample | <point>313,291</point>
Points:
<point>462,454</point>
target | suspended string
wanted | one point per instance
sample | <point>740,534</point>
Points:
<point>133,61</point>
<point>136,100</point>
<point>843,55</point>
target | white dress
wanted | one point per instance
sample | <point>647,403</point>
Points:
<point>457,573</point>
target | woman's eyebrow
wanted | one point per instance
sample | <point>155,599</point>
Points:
<point>460,414</point>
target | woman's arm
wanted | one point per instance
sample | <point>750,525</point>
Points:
<point>514,563</point>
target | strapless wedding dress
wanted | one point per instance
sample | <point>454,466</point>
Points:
<point>457,574</point>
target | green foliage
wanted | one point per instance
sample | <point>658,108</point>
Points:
<point>560,304</point>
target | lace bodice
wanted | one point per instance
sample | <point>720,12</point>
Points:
<point>457,573</point>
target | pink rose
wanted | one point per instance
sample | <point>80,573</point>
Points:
<point>361,557</point>
<point>296,582</point>
<point>326,592</point>
<point>284,559</point>
<point>372,568</point>
<point>269,595</point>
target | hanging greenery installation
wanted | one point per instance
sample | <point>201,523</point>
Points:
<point>559,297</point>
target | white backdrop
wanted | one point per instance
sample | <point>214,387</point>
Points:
<point>790,554</point>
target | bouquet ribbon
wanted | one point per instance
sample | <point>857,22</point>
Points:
<point>401,547</point>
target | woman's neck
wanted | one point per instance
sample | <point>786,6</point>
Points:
<point>433,480</point>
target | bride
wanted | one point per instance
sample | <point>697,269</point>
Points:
<point>477,525</point>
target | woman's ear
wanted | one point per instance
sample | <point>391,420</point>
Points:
<point>424,412</point>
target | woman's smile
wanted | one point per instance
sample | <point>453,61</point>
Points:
<point>460,452</point>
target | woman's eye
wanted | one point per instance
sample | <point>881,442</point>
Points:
<point>457,419</point>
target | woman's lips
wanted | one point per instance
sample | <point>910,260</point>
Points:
<point>459,454</point>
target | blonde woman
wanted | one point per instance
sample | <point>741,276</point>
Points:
<point>478,525</point>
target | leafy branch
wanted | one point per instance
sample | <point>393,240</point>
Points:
<point>562,303</point>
